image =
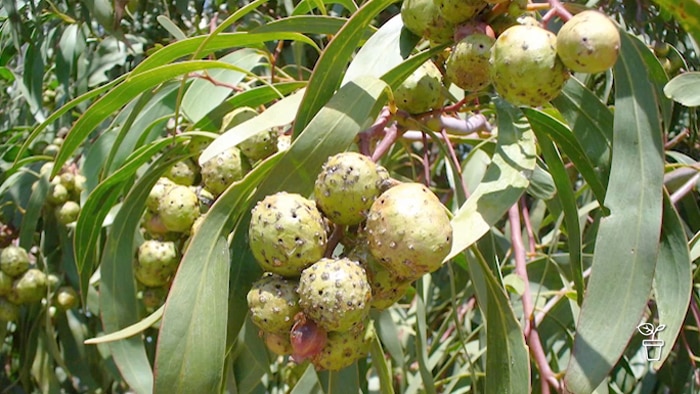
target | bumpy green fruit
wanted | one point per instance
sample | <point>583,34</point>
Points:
<point>277,343</point>
<point>68,212</point>
<point>51,150</point>
<point>286,234</point>
<point>58,194</point>
<point>157,192</point>
<point>346,187</point>
<point>179,208</point>
<point>5,283</point>
<point>183,172</point>
<point>224,169</point>
<point>421,91</point>
<point>525,68</point>
<point>344,348</point>
<point>8,310</point>
<point>458,11</point>
<point>67,179</point>
<point>154,297</point>
<point>156,263</point>
<point>273,303</point>
<point>468,64</point>
<point>30,287</point>
<point>335,293</point>
<point>423,18</point>
<point>66,298</point>
<point>14,261</point>
<point>387,288</point>
<point>409,231</point>
<point>589,42</point>
<point>260,146</point>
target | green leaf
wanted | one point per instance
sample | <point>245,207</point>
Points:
<point>192,339</point>
<point>381,366</point>
<point>506,179</point>
<point>686,12</point>
<point>345,381</point>
<point>308,24</point>
<point>507,359</point>
<point>560,134</point>
<point>129,331</point>
<point>627,240</point>
<point>34,208</point>
<point>673,279</point>
<point>201,97</point>
<point>224,41</point>
<point>330,68</point>
<point>119,96</point>
<point>685,89</point>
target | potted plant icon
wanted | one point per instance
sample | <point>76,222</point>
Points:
<point>652,346</point>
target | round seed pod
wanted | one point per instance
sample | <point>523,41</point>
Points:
<point>273,303</point>
<point>589,42</point>
<point>14,261</point>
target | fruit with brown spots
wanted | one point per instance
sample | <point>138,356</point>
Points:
<point>273,303</point>
<point>589,42</point>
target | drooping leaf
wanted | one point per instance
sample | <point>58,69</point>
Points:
<point>685,89</point>
<point>627,240</point>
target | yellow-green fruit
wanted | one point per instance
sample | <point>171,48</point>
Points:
<point>335,293</point>
<point>14,261</point>
<point>387,288</point>
<point>67,179</point>
<point>459,11</point>
<point>66,298</point>
<point>589,42</point>
<point>178,209</point>
<point>421,91</point>
<point>524,66</point>
<point>409,231</point>
<point>30,287</point>
<point>157,192</point>
<point>468,64</point>
<point>5,283</point>
<point>224,169</point>
<point>156,263</point>
<point>51,150</point>
<point>183,172</point>
<point>423,18</point>
<point>8,310</point>
<point>68,212</point>
<point>58,194</point>
<point>273,303</point>
<point>344,348</point>
<point>278,344</point>
<point>287,233</point>
<point>346,187</point>
<point>260,146</point>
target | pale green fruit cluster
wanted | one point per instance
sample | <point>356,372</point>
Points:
<point>423,18</point>
<point>64,194</point>
<point>409,231</point>
<point>19,283</point>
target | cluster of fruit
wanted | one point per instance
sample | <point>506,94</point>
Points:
<point>177,202</point>
<point>314,298</point>
<point>64,193</point>
<point>22,283</point>
<point>525,63</point>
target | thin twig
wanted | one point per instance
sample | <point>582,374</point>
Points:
<point>426,161</point>
<point>530,330</point>
<point>540,315</point>
<point>333,240</point>
<point>216,82</point>
<point>687,187</point>
<point>677,139</point>
<point>528,226</point>
<point>391,134</point>
<point>273,61</point>
<point>455,161</point>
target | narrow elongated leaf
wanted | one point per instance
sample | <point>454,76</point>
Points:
<point>308,24</point>
<point>565,193</point>
<point>507,359</point>
<point>330,68</point>
<point>33,212</point>
<point>223,41</point>
<point>201,97</point>
<point>673,279</point>
<point>192,339</point>
<point>627,240</point>
<point>505,181</point>
<point>121,95</point>
<point>130,331</point>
